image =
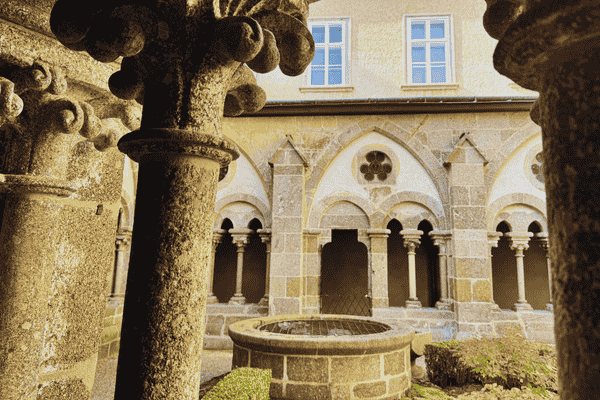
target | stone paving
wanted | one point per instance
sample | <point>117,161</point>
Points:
<point>214,363</point>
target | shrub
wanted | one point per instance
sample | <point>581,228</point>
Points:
<point>509,361</point>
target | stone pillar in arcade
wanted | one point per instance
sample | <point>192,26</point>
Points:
<point>553,48</point>
<point>188,63</point>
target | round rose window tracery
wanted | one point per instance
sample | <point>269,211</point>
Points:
<point>537,167</point>
<point>534,166</point>
<point>377,165</point>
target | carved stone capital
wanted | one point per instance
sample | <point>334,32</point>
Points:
<point>519,241</point>
<point>123,240</point>
<point>531,32</point>
<point>40,141</point>
<point>493,238</point>
<point>412,238</point>
<point>440,239</point>
<point>265,235</point>
<point>378,233</point>
<point>240,237</point>
<point>189,63</point>
<point>543,238</point>
<point>217,236</point>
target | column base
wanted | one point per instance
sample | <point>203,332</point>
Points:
<point>443,304</point>
<point>495,307</point>
<point>523,307</point>
<point>212,299</point>
<point>413,304</point>
<point>237,300</point>
<point>550,307</point>
<point>264,302</point>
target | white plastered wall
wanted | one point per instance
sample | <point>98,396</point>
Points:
<point>243,178</point>
<point>512,177</point>
<point>339,177</point>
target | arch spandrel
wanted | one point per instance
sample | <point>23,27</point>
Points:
<point>519,216</point>
<point>240,213</point>
<point>408,159</point>
<point>411,214</point>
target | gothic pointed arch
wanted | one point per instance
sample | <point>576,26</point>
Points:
<point>410,141</point>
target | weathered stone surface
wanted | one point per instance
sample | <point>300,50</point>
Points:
<point>300,391</point>
<point>268,361</point>
<point>354,369</point>
<point>393,364</point>
<point>370,389</point>
<point>308,369</point>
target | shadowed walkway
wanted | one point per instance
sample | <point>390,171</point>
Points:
<point>214,363</point>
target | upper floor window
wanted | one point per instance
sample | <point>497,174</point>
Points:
<point>330,66</point>
<point>429,48</point>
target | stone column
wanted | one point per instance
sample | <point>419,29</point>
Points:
<point>57,237</point>
<point>493,238</point>
<point>412,241</point>
<point>379,269</point>
<point>519,242</point>
<point>216,239</point>
<point>123,244</point>
<point>265,236</point>
<point>188,63</point>
<point>553,49</point>
<point>240,239</point>
<point>543,238</point>
<point>440,239</point>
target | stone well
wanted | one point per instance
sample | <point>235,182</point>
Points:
<point>326,356</point>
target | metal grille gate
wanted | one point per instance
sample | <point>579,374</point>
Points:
<point>359,305</point>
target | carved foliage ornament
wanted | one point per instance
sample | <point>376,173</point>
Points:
<point>34,110</point>
<point>189,54</point>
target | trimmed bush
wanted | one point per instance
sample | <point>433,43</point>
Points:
<point>509,361</point>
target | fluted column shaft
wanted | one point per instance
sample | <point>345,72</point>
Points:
<point>519,243</point>
<point>411,242</point>
<point>216,239</point>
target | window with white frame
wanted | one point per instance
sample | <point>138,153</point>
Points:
<point>330,66</point>
<point>429,47</point>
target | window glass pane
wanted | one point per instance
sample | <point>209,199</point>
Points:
<point>319,58</point>
<point>335,34</point>
<point>438,74</point>
<point>335,76</point>
<point>418,52</point>
<point>438,52</point>
<point>318,32</point>
<point>317,76</point>
<point>417,30</point>
<point>418,75</point>
<point>436,29</point>
<point>335,56</point>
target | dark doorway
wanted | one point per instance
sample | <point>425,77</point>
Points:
<point>225,266</point>
<point>504,271</point>
<point>537,291</point>
<point>397,266</point>
<point>427,268</point>
<point>344,275</point>
<point>255,265</point>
